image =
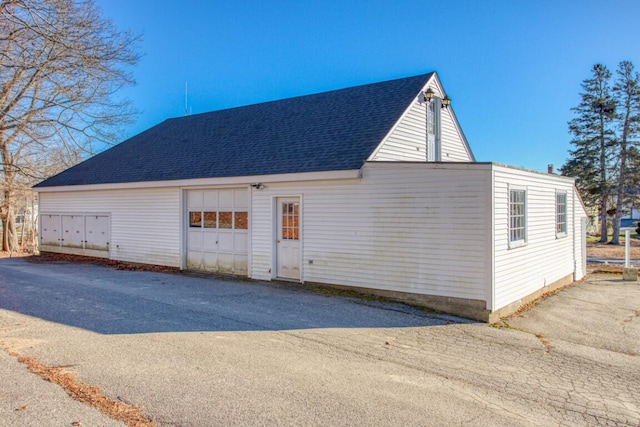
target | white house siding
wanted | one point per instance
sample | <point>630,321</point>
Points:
<point>545,258</point>
<point>145,223</point>
<point>409,227</point>
<point>454,149</point>
<point>407,140</point>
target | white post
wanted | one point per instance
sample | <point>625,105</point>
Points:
<point>627,242</point>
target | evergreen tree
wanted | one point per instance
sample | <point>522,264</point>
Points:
<point>593,140</point>
<point>626,91</point>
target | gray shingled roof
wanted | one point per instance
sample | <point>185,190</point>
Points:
<point>329,131</point>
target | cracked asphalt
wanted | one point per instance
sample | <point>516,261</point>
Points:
<point>208,351</point>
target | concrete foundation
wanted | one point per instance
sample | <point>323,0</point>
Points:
<point>472,309</point>
<point>630,274</point>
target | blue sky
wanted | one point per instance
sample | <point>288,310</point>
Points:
<point>513,68</point>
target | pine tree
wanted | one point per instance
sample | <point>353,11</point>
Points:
<point>593,139</point>
<point>626,91</point>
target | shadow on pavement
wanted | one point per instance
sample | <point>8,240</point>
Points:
<point>109,301</point>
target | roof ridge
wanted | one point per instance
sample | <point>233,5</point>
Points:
<point>426,76</point>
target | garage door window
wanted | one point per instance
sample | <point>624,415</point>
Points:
<point>241,221</point>
<point>226,220</point>
<point>210,219</point>
<point>195,219</point>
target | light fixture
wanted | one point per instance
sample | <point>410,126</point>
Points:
<point>446,101</point>
<point>258,186</point>
<point>429,94</point>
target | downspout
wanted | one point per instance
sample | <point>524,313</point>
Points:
<point>490,275</point>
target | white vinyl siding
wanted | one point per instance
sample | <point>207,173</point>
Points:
<point>408,140</point>
<point>545,259</point>
<point>453,146</point>
<point>145,224</point>
<point>409,227</point>
<point>437,229</point>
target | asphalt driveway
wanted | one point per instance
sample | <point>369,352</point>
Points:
<point>111,301</point>
<point>206,352</point>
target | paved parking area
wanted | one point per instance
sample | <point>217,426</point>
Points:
<point>200,352</point>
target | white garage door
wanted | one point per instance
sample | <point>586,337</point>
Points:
<point>218,230</point>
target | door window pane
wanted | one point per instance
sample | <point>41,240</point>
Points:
<point>195,219</point>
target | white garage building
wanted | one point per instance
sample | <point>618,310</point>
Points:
<point>372,187</point>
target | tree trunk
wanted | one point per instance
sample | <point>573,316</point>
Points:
<point>12,235</point>
<point>9,236</point>
<point>603,184</point>
<point>615,238</point>
<point>603,220</point>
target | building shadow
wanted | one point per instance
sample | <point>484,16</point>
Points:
<point>110,301</point>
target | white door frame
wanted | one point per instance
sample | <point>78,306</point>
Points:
<point>276,234</point>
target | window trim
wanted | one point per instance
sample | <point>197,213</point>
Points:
<point>522,241</point>
<point>562,233</point>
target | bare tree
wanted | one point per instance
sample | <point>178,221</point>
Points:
<point>61,67</point>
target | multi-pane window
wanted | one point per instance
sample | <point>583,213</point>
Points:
<point>221,220</point>
<point>561,214</point>
<point>517,216</point>
<point>290,220</point>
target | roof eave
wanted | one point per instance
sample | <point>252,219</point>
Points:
<point>225,181</point>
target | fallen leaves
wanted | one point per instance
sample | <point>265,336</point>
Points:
<point>545,342</point>
<point>49,257</point>
<point>91,395</point>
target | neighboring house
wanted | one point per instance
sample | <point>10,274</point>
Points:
<point>631,217</point>
<point>372,187</point>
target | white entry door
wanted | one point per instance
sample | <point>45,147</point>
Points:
<point>288,238</point>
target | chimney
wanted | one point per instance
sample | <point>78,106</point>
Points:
<point>549,168</point>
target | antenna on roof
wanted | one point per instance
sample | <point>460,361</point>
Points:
<point>186,98</point>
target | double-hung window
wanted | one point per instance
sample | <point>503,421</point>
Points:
<point>517,218</point>
<point>561,214</point>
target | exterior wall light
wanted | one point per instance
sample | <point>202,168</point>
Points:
<point>258,186</point>
<point>429,94</point>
